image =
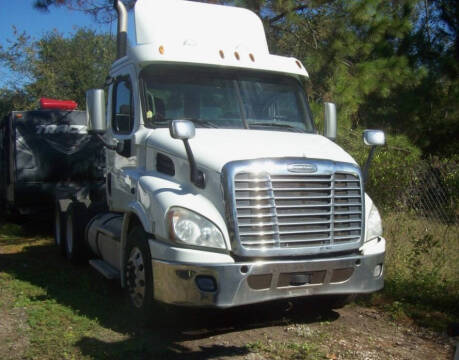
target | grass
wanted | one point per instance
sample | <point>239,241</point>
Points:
<point>422,270</point>
<point>73,313</point>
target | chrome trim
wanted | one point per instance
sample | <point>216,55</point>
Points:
<point>302,168</point>
<point>270,176</point>
<point>174,283</point>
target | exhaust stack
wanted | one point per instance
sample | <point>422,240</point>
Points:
<point>121,35</point>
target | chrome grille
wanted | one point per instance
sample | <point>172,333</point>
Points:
<point>279,210</point>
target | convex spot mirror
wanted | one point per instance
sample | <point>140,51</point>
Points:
<point>374,137</point>
<point>182,129</point>
<point>330,120</point>
<point>95,111</point>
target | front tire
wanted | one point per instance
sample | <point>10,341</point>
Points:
<point>138,271</point>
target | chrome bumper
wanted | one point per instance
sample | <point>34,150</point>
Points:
<point>252,282</point>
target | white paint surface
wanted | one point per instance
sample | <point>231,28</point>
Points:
<point>195,33</point>
<point>213,148</point>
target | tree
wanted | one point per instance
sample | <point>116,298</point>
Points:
<point>12,100</point>
<point>386,63</point>
<point>390,64</point>
<point>101,10</point>
<point>60,67</point>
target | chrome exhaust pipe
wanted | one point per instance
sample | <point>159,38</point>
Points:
<point>121,35</point>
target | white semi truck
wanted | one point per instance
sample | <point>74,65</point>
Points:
<point>219,190</point>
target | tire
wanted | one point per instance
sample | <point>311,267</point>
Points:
<point>75,223</point>
<point>138,272</point>
<point>59,228</point>
<point>2,209</point>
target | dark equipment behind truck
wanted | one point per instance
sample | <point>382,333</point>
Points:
<point>47,154</point>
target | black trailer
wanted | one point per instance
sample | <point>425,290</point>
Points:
<point>47,155</point>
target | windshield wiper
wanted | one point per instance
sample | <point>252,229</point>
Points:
<point>286,126</point>
<point>202,122</point>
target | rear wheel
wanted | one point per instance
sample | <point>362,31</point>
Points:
<point>2,208</point>
<point>75,224</point>
<point>59,228</point>
<point>138,271</point>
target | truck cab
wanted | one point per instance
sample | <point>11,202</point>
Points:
<point>220,191</point>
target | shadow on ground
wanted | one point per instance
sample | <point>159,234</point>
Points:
<point>88,294</point>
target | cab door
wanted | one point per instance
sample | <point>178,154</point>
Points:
<point>122,116</point>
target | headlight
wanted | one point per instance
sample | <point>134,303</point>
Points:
<point>190,228</point>
<point>374,225</point>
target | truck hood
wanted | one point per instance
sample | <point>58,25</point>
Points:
<point>213,148</point>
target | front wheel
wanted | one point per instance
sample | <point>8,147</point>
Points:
<point>138,271</point>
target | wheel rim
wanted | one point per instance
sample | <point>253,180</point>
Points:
<point>69,235</point>
<point>135,276</point>
<point>57,228</point>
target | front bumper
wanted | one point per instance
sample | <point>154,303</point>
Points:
<point>252,282</point>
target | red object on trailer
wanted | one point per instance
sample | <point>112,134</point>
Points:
<point>53,104</point>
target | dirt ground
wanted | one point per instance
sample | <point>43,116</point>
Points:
<point>50,309</point>
<point>270,331</point>
<point>354,332</point>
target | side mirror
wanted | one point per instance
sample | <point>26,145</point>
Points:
<point>330,121</point>
<point>95,111</point>
<point>182,129</point>
<point>374,137</point>
<point>185,130</point>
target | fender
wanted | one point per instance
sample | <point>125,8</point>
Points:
<point>135,210</point>
<point>158,193</point>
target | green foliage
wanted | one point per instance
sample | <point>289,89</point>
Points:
<point>422,268</point>
<point>391,170</point>
<point>12,100</point>
<point>56,67</point>
<point>387,64</point>
<point>101,10</point>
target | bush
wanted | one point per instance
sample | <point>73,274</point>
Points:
<point>391,170</point>
<point>422,262</point>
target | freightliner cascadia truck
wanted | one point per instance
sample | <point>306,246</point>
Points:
<point>219,191</point>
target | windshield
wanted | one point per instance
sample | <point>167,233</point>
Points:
<point>224,99</point>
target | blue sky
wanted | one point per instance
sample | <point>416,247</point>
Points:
<point>21,14</point>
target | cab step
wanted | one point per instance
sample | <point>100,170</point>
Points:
<point>105,268</point>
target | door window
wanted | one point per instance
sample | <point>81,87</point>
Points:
<point>122,112</point>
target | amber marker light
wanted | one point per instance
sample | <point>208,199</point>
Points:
<point>222,54</point>
<point>236,55</point>
<point>299,64</point>
<point>161,50</point>
<point>18,116</point>
<point>252,57</point>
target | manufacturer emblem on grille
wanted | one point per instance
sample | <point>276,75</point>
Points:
<point>302,168</point>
